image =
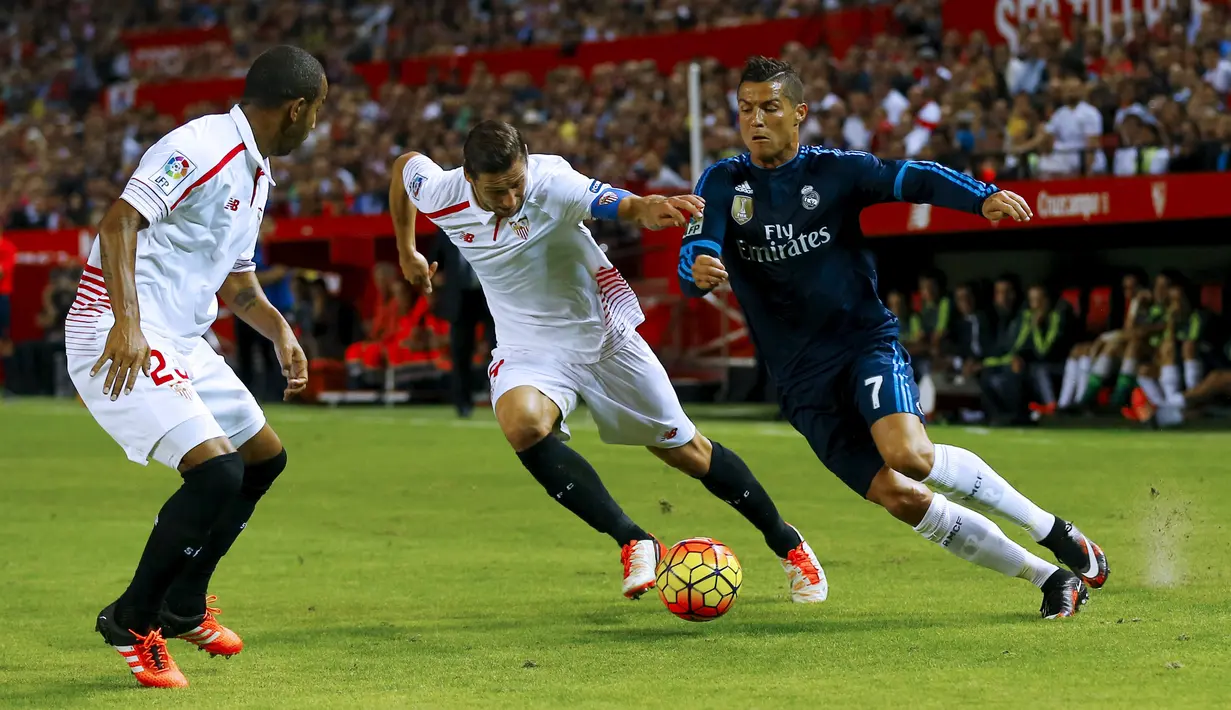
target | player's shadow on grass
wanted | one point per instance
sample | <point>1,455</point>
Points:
<point>787,627</point>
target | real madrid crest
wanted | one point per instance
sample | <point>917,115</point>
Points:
<point>809,198</point>
<point>741,209</point>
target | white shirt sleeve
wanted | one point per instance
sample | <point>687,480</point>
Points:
<point>1092,123</point>
<point>164,178</point>
<point>569,194</point>
<point>246,261</point>
<point>423,180</point>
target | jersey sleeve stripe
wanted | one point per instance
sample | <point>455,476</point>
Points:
<point>210,173</point>
<point>92,270</point>
<point>451,209</point>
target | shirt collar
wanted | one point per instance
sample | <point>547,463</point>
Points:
<point>798,150</point>
<point>245,132</point>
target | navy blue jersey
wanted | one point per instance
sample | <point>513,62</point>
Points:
<point>791,242</point>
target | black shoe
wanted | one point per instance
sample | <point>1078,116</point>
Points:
<point>1063,595</point>
<point>1079,553</point>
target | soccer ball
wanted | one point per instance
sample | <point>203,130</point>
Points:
<point>698,579</point>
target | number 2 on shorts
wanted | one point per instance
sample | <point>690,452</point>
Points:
<point>876,389</point>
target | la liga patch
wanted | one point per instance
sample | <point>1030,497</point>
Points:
<point>416,184</point>
<point>177,168</point>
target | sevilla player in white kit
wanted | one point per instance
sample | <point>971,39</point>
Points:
<point>182,234</point>
<point>566,330</point>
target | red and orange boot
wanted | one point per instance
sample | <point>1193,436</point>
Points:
<point>203,631</point>
<point>146,655</point>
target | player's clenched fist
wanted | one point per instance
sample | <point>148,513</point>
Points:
<point>416,269</point>
<point>1007,205</point>
<point>708,272</point>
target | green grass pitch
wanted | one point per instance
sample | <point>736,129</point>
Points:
<point>405,559</point>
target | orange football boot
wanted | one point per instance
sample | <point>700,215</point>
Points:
<point>204,632</point>
<point>146,655</point>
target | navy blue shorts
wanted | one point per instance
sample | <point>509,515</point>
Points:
<point>835,411</point>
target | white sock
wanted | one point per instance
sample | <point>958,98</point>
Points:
<point>1192,373</point>
<point>976,539</point>
<point>1128,366</point>
<point>1169,415</point>
<point>1153,391</point>
<point>1169,378</point>
<point>1068,386</point>
<point>969,478</point>
<point>1101,366</point>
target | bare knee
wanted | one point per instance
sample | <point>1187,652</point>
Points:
<point>692,458</point>
<point>526,417</point>
<point>905,499</point>
<point>1189,350</point>
<point>1080,350</point>
<point>1147,371</point>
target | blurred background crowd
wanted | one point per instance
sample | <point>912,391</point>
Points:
<point>1143,101</point>
<point>1065,100</point>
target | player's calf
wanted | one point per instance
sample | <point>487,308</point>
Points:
<point>727,477</point>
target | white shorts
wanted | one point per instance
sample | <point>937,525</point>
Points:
<point>629,393</point>
<point>190,397</point>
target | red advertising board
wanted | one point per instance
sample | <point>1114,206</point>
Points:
<point>1007,21</point>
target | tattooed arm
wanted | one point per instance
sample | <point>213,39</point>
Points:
<point>244,296</point>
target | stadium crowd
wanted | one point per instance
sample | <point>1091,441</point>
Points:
<point>1147,101</point>
<point>1065,104</point>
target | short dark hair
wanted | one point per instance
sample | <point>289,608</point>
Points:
<point>283,73</point>
<point>758,69</point>
<point>492,147</point>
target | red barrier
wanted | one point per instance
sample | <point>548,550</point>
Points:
<point>730,45</point>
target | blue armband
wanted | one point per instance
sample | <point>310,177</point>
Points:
<point>607,204</point>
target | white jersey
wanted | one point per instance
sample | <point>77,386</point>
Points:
<point>202,188</point>
<point>549,286</point>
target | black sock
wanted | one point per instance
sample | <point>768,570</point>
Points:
<point>573,482</point>
<point>1064,547</point>
<point>181,528</point>
<point>186,597</point>
<point>730,480</point>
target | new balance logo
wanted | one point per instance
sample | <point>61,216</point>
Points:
<point>232,204</point>
<point>744,187</point>
<point>468,237</point>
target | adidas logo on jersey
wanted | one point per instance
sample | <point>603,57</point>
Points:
<point>744,187</point>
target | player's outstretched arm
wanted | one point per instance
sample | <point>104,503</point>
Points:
<point>925,182</point>
<point>414,265</point>
<point>242,293</point>
<point>126,348</point>
<point>701,269</point>
<point>651,211</point>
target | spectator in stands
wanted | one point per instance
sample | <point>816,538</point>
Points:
<point>1030,364</point>
<point>1140,151</point>
<point>1076,130</point>
<point>1187,340</point>
<point>1091,362</point>
<point>929,326</point>
<point>463,305</point>
<point>972,332</point>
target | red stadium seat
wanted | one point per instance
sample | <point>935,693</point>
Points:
<point>916,301</point>
<point>1211,298</point>
<point>1099,315</point>
<point>1073,296</point>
